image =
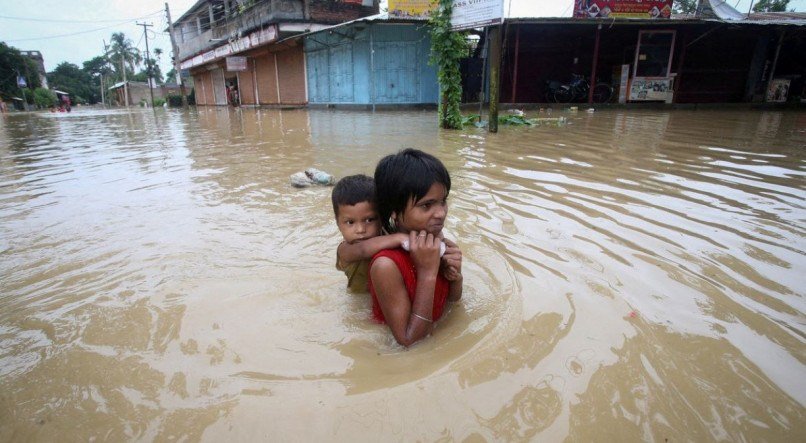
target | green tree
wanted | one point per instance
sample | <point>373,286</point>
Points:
<point>73,80</point>
<point>142,76</point>
<point>684,6</point>
<point>771,6</point>
<point>447,49</point>
<point>157,54</point>
<point>12,63</point>
<point>44,98</point>
<point>170,76</point>
<point>97,66</point>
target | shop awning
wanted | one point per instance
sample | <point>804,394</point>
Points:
<point>61,92</point>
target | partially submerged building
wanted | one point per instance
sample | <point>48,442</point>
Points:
<point>373,61</point>
<point>342,53</point>
<point>717,55</point>
<point>37,58</point>
<point>240,51</point>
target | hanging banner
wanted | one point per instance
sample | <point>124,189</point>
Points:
<point>652,9</point>
<point>411,8</point>
<point>236,64</point>
<point>476,13</point>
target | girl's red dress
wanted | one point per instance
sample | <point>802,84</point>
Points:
<point>406,267</point>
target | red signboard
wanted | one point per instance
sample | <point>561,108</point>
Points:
<point>623,8</point>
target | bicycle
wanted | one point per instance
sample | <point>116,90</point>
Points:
<point>577,90</point>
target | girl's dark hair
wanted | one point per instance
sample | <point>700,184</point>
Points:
<point>406,176</point>
<point>352,190</point>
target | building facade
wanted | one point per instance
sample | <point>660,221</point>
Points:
<point>678,61</point>
<point>717,55</point>
<point>242,53</point>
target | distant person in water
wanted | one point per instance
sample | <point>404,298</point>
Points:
<point>410,288</point>
<point>353,200</point>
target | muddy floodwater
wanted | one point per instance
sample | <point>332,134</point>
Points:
<point>632,275</point>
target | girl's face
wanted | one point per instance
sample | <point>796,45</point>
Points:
<point>427,213</point>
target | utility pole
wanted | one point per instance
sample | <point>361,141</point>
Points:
<point>148,61</point>
<point>125,81</point>
<point>103,99</point>
<point>175,58</point>
<point>495,75</point>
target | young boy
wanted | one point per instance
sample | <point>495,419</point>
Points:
<point>354,206</point>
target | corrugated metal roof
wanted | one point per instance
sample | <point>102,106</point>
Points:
<point>777,16</point>
<point>383,17</point>
<point>677,19</point>
<point>722,10</point>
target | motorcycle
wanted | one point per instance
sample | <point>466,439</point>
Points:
<point>577,91</point>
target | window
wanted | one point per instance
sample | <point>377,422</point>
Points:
<point>653,57</point>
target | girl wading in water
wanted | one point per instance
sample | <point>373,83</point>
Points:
<point>410,288</point>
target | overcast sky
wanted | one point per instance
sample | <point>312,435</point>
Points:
<point>74,30</point>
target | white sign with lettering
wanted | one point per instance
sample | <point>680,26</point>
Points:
<point>476,13</point>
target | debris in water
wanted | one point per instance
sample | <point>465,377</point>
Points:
<point>311,176</point>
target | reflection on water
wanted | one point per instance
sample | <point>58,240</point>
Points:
<point>634,275</point>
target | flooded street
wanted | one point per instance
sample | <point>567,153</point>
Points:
<point>633,275</point>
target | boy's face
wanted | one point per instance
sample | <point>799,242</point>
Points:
<point>358,222</point>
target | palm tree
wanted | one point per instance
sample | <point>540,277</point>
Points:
<point>122,52</point>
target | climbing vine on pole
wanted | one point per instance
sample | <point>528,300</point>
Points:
<point>447,48</point>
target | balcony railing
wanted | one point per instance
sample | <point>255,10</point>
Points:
<point>236,24</point>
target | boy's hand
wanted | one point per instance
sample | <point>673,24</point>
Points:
<point>452,261</point>
<point>400,238</point>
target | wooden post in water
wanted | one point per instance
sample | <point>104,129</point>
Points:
<point>595,63</point>
<point>495,75</point>
<point>774,62</point>
<point>515,67</point>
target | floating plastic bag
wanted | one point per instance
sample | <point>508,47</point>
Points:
<point>319,177</point>
<point>311,176</point>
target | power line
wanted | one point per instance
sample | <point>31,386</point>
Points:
<point>75,21</point>
<point>80,32</point>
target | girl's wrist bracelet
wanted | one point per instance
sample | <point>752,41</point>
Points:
<point>422,318</point>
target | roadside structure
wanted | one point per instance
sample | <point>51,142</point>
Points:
<point>717,55</point>
<point>240,53</point>
<point>372,61</point>
<point>140,92</point>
